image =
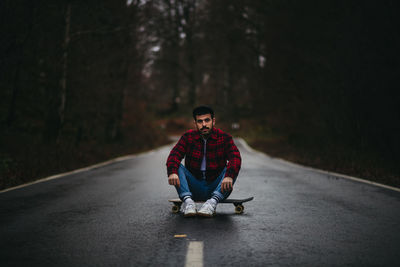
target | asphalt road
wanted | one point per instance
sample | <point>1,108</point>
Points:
<point>118,215</point>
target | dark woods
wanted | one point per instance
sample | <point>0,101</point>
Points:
<point>82,81</point>
<point>70,77</point>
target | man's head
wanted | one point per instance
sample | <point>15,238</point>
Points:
<point>204,119</point>
<point>203,110</point>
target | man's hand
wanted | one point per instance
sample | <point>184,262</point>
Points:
<point>227,184</point>
<point>173,179</point>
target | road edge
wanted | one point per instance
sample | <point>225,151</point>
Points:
<point>241,141</point>
<point>360,180</point>
<point>88,168</point>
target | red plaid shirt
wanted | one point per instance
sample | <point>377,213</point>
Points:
<point>221,152</point>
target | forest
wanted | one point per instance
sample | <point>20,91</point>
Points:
<point>314,82</point>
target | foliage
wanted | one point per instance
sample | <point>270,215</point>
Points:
<point>69,87</point>
<point>82,74</point>
<point>323,74</point>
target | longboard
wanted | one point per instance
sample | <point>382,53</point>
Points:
<point>238,203</point>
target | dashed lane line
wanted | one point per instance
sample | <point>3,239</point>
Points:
<point>194,256</point>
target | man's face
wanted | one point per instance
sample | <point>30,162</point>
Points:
<point>204,123</point>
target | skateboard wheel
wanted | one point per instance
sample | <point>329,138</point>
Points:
<point>239,209</point>
<point>175,208</point>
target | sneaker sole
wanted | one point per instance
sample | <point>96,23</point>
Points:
<point>189,215</point>
<point>206,215</point>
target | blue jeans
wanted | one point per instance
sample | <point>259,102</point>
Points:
<point>200,189</point>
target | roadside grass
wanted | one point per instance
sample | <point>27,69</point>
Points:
<point>332,157</point>
<point>24,160</point>
<point>27,161</point>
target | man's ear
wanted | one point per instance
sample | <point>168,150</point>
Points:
<point>214,121</point>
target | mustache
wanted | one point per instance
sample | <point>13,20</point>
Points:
<point>204,128</point>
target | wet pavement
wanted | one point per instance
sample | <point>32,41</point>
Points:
<point>118,215</point>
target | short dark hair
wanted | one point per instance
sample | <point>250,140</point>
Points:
<point>202,110</point>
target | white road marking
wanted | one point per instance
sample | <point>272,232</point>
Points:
<point>250,149</point>
<point>101,164</point>
<point>241,140</point>
<point>70,172</point>
<point>194,256</point>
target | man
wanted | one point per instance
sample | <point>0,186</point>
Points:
<point>212,164</point>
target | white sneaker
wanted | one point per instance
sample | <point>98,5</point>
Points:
<point>208,209</point>
<point>189,209</point>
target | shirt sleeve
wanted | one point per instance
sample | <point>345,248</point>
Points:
<point>176,155</point>
<point>234,159</point>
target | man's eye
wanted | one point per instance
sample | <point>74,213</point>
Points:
<point>207,120</point>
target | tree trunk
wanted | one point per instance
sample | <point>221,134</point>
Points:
<point>63,81</point>
<point>15,89</point>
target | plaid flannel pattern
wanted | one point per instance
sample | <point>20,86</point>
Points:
<point>221,152</point>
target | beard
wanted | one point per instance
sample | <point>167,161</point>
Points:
<point>206,130</point>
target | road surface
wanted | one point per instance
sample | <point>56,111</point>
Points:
<point>118,215</point>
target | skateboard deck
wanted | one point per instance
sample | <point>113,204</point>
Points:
<point>237,202</point>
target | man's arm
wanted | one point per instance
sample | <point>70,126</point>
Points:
<point>234,158</point>
<point>174,159</point>
<point>234,164</point>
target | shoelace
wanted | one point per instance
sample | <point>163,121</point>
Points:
<point>209,206</point>
<point>190,205</point>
